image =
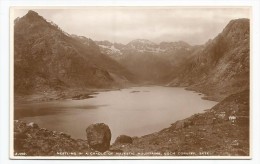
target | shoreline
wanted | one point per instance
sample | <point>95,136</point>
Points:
<point>64,94</point>
<point>80,94</point>
<point>184,130</point>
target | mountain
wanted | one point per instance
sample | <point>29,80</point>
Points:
<point>143,46</point>
<point>147,60</point>
<point>47,58</point>
<point>221,67</point>
<point>113,50</point>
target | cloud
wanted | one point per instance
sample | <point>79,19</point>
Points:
<point>123,24</point>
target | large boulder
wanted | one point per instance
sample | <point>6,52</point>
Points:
<point>99,136</point>
<point>124,139</point>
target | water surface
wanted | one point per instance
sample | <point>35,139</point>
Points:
<point>134,111</point>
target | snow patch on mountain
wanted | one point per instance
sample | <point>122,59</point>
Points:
<point>143,46</point>
<point>110,50</point>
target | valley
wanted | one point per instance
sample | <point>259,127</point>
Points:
<point>52,66</point>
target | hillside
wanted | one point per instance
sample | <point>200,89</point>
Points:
<point>212,133</point>
<point>221,67</point>
<point>47,58</point>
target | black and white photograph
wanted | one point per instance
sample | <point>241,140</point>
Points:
<point>129,82</point>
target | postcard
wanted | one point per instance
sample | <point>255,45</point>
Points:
<point>129,82</point>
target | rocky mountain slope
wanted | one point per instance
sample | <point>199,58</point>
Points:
<point>221,67</point>
<point>149,61</point>
<point>47,58</point>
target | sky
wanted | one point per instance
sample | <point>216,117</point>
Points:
<point>124,24</point>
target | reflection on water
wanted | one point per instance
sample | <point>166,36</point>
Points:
<point>134,111</point>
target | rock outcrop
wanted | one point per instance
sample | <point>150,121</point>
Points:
<point>123,139</point>
<point>99,136</point>
<point>32,140</point>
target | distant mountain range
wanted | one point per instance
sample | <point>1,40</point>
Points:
<point>149,61</point>
<point>142,46</point>
<point>47,58</point>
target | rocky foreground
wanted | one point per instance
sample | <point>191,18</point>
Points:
<point>221,131</point>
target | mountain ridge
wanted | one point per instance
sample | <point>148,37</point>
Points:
<point>149,61</point>
<point>39,48</point>
<point>42,45</point>
<point>222,66</point>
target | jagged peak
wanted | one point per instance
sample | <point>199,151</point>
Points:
<point>241,23</point>
<point>141,41</point>
<point>33,19</point>
<point>239,20</point>
<point>33,15</point>
<point>31,12</point>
